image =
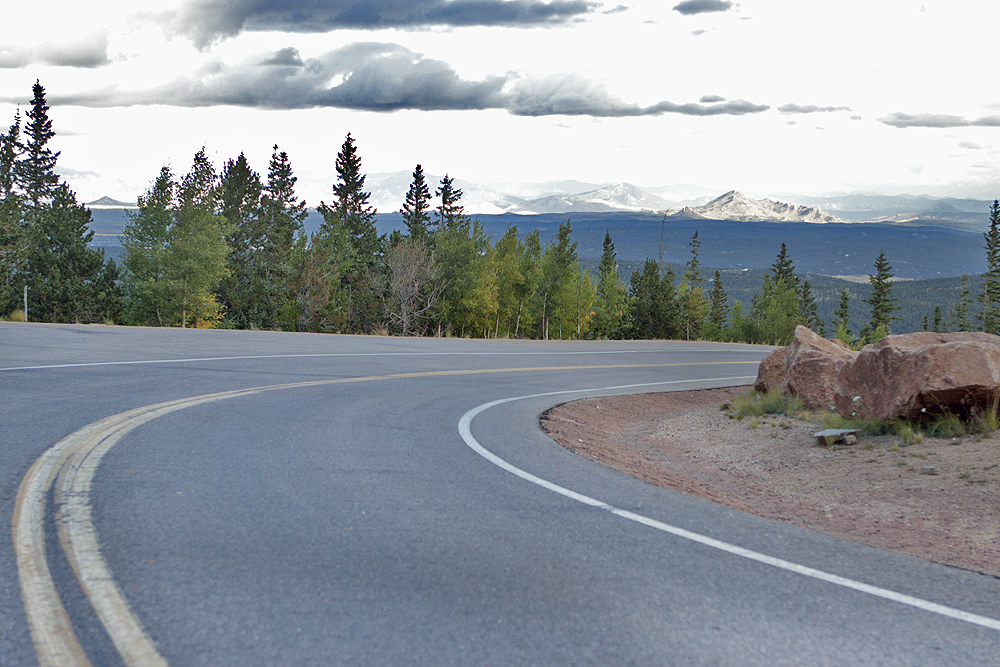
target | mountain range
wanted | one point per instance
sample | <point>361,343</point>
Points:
<point>388,191</point>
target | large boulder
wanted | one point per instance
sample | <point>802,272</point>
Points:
<point>771,372</point>
<point>808,369</point>
<point>812,366</point>
<point>919,375</point>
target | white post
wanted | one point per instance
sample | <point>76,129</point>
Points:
<point>25,303</point>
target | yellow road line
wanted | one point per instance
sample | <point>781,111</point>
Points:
<point>70,464</point>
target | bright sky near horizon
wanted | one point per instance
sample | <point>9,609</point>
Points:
<point>769,97</point>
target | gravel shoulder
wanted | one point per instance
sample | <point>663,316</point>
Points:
<point>938,499</point>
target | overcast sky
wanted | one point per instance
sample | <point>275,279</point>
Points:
<point>771,97</point>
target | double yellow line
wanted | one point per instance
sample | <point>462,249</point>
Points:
<point>68,469</point>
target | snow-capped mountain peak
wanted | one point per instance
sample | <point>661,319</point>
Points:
<point>736,206</point>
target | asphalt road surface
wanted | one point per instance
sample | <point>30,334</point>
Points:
<point>258,498</point>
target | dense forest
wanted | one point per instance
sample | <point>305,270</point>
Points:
<point>228,248</point>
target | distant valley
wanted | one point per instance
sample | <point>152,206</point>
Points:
<point>923,237</point>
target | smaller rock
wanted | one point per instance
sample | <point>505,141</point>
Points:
<point>837,436</point>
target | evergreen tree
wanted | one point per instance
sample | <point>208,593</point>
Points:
<point>62,272</point>
<point>281,217</point>
<point>807,308</point>
<point>351,207</point>
<point>450,212</point>
<point>784,270</point>
<point>611,302</point>
<point>939,326</point>
<point>415,209</point>
<point>13,239</point>
<point>842,319</point>
<point>243,292</point>
<point>36,169</point>
<point>654,311</point>
<point>718,313</point>
<point>960,314</point>
<point>989,314</point>
<point>881,301</point>
<point>691,295</point>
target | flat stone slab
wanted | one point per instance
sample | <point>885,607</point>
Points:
<point>847,436</point>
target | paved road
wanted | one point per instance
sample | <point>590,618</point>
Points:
<point>375,508</point>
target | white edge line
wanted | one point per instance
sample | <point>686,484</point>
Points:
<point>465,430</point>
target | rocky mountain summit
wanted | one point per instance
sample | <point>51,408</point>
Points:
<point>736,206</point>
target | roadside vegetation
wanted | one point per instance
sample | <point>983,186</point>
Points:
<point>755,406</point>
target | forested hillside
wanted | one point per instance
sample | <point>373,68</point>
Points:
<point>228,247</point>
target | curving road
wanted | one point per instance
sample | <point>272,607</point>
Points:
<point>259,498</point>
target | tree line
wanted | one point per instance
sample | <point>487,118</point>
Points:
<point>228,248</point>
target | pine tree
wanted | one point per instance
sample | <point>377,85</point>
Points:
<point>281,217</point>
<point>842,316</point>
<point>36,170</point>
<point>654,311</point>
<point>62,273</point>
<point>691,295</point>
<point>243,293</point>
<point>807,308</point>
<point>784,270</point>
<point>611,303</point>
<point>718,312</point>
<point>960,314</point>
<point>450,212</point>
<point>989,315</point>
<point>842,319</point>
<point>881,301</point>
<point>61,270</point>
<point>938,326</point>
<point>417,204</point>
<point>13,239</point>
<point>351,207</point>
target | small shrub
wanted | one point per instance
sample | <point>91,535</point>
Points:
<point>946,426</point>
<point>755,404</point>
<point>14,316</point>
<point>906,433</point>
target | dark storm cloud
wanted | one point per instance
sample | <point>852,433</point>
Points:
<point>365,76</point>
<point>934,120</point>
<point>208,21</point>
<point>691,7</point>
<point>89,52</point>
<point>809,108</point>
<point>389,77</point>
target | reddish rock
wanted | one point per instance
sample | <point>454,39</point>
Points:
<point>812,366</point>
<point>771,372</point>
<point>921,374</point>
